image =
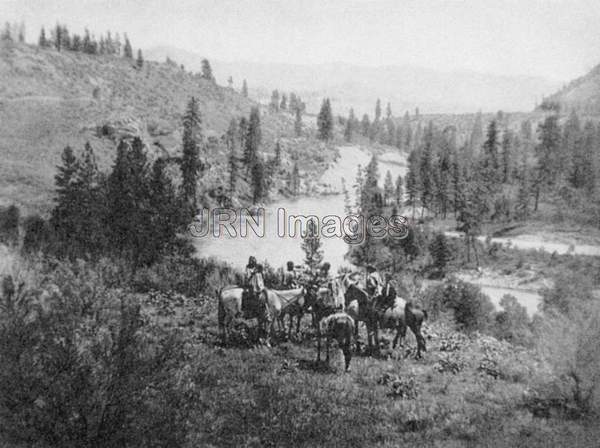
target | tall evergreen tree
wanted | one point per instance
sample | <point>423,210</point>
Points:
<point>127,49</point>
<point>298,122</point>
<point>277,159</point>
<point>325,121</point>
<point>283,104</point>
<point>398,192</point>
<point>547,155</point>
<point>388,189</point>
<point>230,140</point>
<point>245,89</point>
<point>66,208</point>
<point>350,125</point>
<point>253,139</point>
<point>365,125</point>
<point>413,181</point>
<point>274,104</point>
<point>140,59</point>
<point>259,181</point>
<point>191,165</point>
<point>43,42</point>
<point>207,72</point>
<point>312,246</point>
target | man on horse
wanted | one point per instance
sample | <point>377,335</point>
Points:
<point>290,279</point>
<point>388,295</point>
<point>374,283</point>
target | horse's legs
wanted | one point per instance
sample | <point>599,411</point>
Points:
<point>298,323</point>
<point>356,341</point>
<point>400,333</point>
<point>416,329</point>
<point>347,354</point>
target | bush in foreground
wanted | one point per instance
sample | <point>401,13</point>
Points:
<point>81,366</point>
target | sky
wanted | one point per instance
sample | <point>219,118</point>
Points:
<point>556,39</point>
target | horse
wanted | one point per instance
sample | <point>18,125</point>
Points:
<point>230,309</point>
<point>293,304</point>
<point>402,315</point>
<point>338,326</point>
<point>359,306</point>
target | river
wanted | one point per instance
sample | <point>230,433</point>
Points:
<point>277,250</point>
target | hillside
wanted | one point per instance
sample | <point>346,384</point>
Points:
<point>49,100</point>
<point>581,94</point>
<point>353,85</point>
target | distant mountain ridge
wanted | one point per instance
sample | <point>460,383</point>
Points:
<point>348,85</point>
<point>581,94</point>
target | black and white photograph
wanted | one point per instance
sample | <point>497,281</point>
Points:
<point>299,223</point>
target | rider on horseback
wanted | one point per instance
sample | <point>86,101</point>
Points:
<point>374,282</point>
<point>290,279</point>
<point>388,295</point>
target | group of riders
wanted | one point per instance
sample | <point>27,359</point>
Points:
<point>380,290</point>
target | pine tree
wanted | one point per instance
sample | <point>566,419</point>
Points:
<point>295,180</point>
<point>164,211</point>
<point>489,170</point>
<point>283,104</point>
<point>21,33</point>
<point>325,121</point>
<point>365,125</point>
<point>43,42</point>
<point>65,210</point>
<point>245,89</point>
<point>258,181</point>
<point>476,139</point>
<point>298,122</point>
<point>277,159</point>
<point>350,124</point>
<point>191,165</point>
<point>388,189</point>
<point>58,42</point>
<point>398,192</point>
<point>377,110</point>
<point>507,167</point>
<point>274,104</point>
<point>522,206</point>
<point>207,71</point>
<point>139,62</point>
<point>253,138</point>
<point>426,169</point>
<point>127,49</point>
<point>312,246</point>
<point>440,252</point>
<point>547,154</point>
<point>570,150</point>
<point>230,138</point>
<point>413,181</point>
<point>76,44</point>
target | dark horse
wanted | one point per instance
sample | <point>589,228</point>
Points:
<point>402,315</point>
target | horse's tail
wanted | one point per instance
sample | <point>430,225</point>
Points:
<point>425,315</point>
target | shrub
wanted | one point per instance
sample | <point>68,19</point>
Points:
<point>569,345</point>
<point>470,307</point>
<point>449,363</point>
<point>405,387</point>
<point>512,322</point>
<point>186,275</point>
<point>82,367</point>
<point>9,224</point>
<point>569,290</point>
